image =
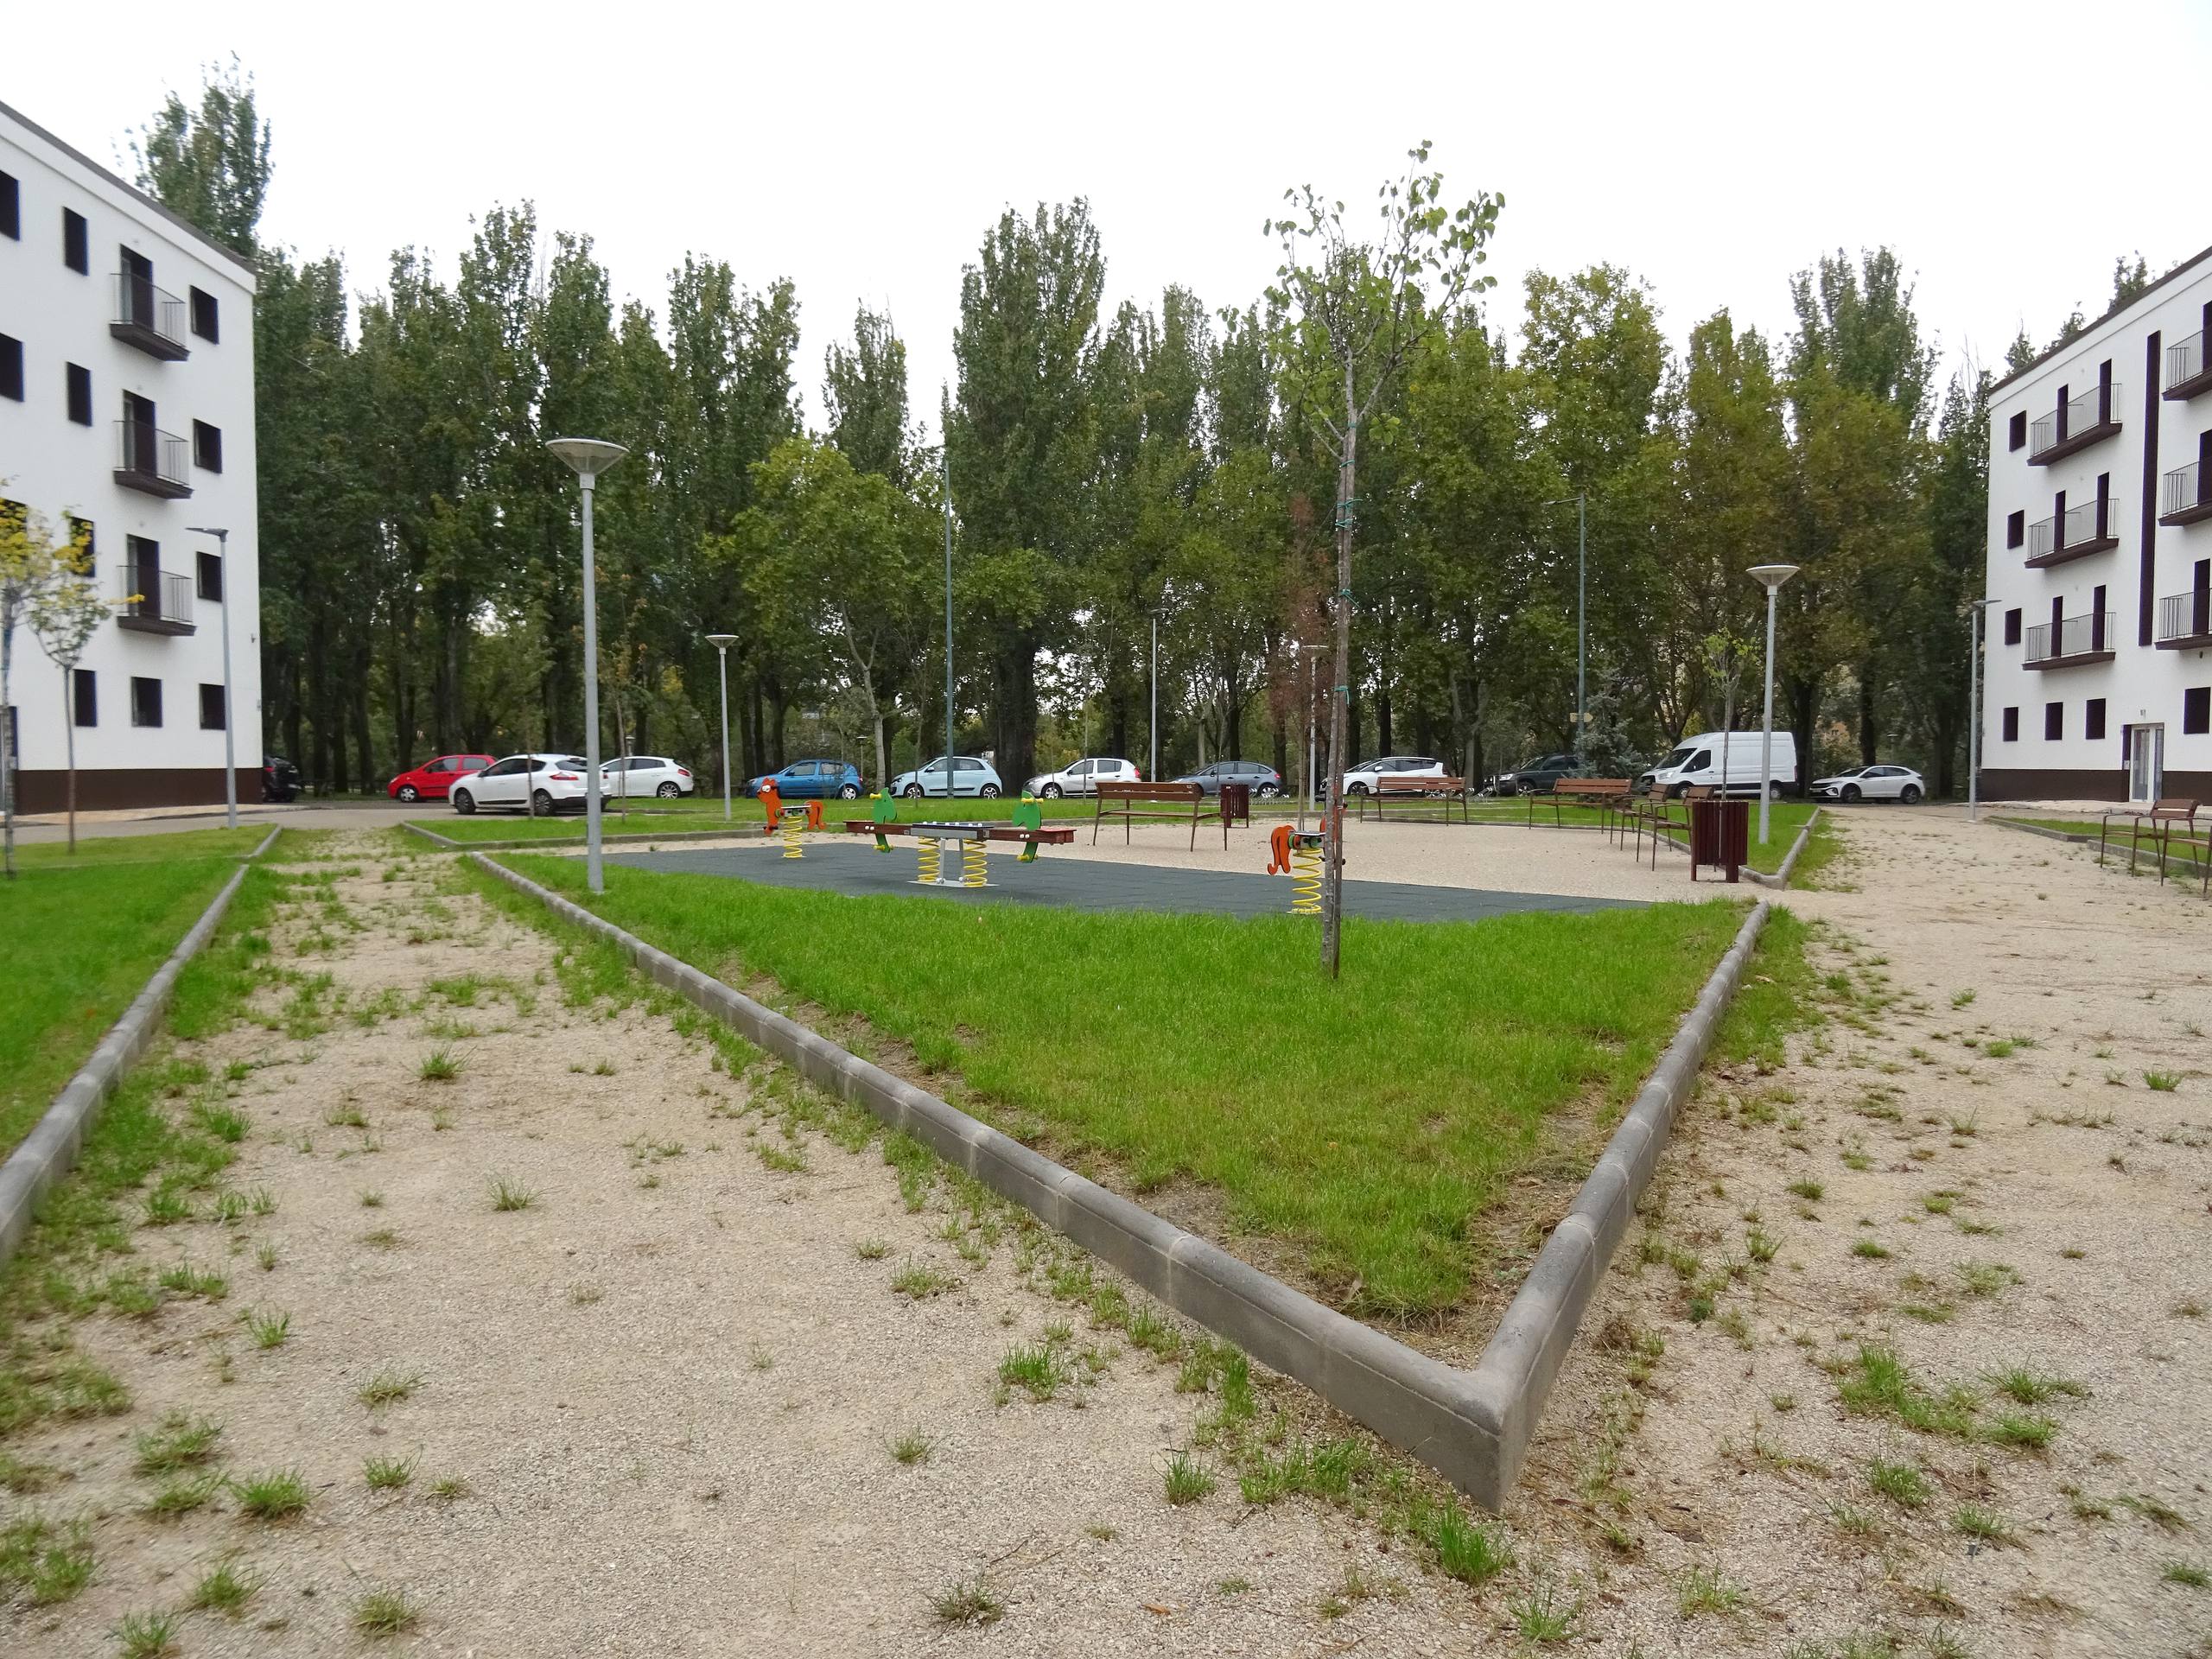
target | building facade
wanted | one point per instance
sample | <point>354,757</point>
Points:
<point>126,405</point>
<point>2098,653</point>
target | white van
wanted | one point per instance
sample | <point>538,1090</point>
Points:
<point>1729,760</point>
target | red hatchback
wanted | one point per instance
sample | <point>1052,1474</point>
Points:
<point>434,779</point>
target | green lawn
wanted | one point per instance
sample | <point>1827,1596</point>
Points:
<point>2068,826</point>
<point>1368,1121</point>
<point>666,818</point>
<point>140,849</point>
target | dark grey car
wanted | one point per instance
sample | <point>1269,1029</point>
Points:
<point>1539,776</point>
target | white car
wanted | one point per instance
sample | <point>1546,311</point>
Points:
<point>543,784</point>
<point>1082,777</point>
<point>647,774</point>
<point>1361,779</point>
<point>1870,784</point>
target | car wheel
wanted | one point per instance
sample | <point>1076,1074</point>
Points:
<point>1358,789</point>
<point>542,802</point>
<point>913,791</point>
<point>1851,792</point>
<point>1267,791</point>
<point>1050,791</point>
<point>1524,789</point>
<point>988,792</point>
<point>668,792</point>
<point>1909,795</point>
<point>463,802</point>
<point>409,794</point>
<point>849,792</point>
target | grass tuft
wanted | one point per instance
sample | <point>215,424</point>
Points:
<point>385,1612</point>
<point>1187,1480</point>
<point>276,1495</point>
<point>968,1602</point>
<point>509,1194</point>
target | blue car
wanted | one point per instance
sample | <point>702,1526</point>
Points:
<point>811,779</point>
<point>970,776</point>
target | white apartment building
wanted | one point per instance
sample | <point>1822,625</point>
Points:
<point>2099,653</point>
<point>126,403</point>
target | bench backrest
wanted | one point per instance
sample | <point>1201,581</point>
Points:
<point>1150,792</point>
<point>1700,793</point>
<point>2177,806</point>
<point>1592,786</point>
<point>1414,783</point>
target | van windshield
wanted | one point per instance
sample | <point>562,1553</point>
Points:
<point>1678,757</point>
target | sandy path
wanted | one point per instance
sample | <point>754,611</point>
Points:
<point>2092,1192</point>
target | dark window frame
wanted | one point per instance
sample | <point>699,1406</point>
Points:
<point>2054,722</point>
<point>145,697</point>
<point>2016,530</point>
<point>207,447</point>
<point>211,703</point>
<point>76,242</point>
<point>206,316</point>
<point>2010,726</point>
<point>11,207</point>
<point>208,577</point>
<point>11,368</point>
<point>2195,710</point>
<point>85,697</point>
<point>2093,720</point>
<point>2013,626</point>
<point>78,382</point>
<point>2016,431</point>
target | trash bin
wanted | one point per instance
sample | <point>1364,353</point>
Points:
<point>1721,836</point>
<point>1237,803</point>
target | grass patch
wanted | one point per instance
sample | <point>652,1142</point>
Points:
<point>1187,1480</point>
<point>387,1474</point>
<point>180,1442</point>
<point>384,1610</point>
<point>145,1635</point>
<point>47,1561</point>
<point>507,1194</point>
<point>276,1495</point>
<point>1877,1383</point>
<point>911,1447</point>
<point>968,1602</point>
<point>1374,1173</point>
<point>1901,1483</point>
<point>1984,1524</point>
<point>388,1385</point>
<point>226,1590</point>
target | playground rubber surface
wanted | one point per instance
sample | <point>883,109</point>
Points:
<point>1097,885</point>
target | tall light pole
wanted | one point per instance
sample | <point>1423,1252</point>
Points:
<point>944,465</point>
<point>230,757</point>
<point>1152,727</point>
<point>721,643</point>
<point>590,457</point>
<point>1974,608</point>
<point>1770,577</point>
<point>1581,499</point>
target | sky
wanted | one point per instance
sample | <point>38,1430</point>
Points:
<point>2008,152</point>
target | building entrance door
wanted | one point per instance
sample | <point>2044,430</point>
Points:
<point>2146,763</point>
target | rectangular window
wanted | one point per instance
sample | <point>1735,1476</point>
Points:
<point>2011,725</point>
<point>85,697</point>
<point>11,367</point>
<point>11,207</point>
<point>2093,719</point>
<point>2013,626</point>
<point>80,533</point>
<point>145,702</point>
<point>207,447</point>
<point>211,708</point>
<point>80,394</point>
<point>2016,530</point>
<point>211,577</point>
<point>2196,710</point>
<point>206,318</point>
<point>2053,722</point>
<point>76,244</point>
<point>2016,435</point>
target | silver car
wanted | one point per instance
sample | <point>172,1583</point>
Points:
<point>1082,777</point>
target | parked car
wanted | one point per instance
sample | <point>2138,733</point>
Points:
<point>1361,779</point>
<point>647,774</point>
<point>280,778</point>
<point>1870,784</point>
<point>1264,781</point>
<point>1538,777</point>
<point>1082,777</point>
<point>1728,761</point>
<point>970,776</point>
<point>811,780</point>
<point>434,779</point>
<point>523,783</point>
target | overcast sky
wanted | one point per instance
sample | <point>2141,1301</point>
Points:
<point>2007,151</point>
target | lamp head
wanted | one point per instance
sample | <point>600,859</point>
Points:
<point>1771,576</point>
<point>220,534</point>
<point>722,641</point>
<point>588,456</point>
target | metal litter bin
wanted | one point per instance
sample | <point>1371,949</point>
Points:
<point>1237,803</point>
<point>1721,836</point>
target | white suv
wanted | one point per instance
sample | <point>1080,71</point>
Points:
<point>1360,780</point>
<point>1082,777</point>
<point>527,783</point>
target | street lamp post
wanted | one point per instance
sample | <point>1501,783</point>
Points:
<point>1581,499</point>
<point>589,457</point>
<point>721,643</point>
<point>1770,577</point>
<point>230,756</point>
<point>1974,608</point>
<point>1154,726</point>
<point>945,466</point>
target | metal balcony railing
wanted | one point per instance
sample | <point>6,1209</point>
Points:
<point>2073,635</point>
<point>2079,414</point>
<point>155,601</point>
<point>149,317</point>
<point>2092,521</point>
<point>2186,616</point>
<point>148,459</point>
<point>2181,490</point>
<point>2186,359</point>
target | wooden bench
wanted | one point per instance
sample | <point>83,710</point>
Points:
<point>1152,802</point>
<point>1609,796</point>
<point>1414,786</point>
<point>2155,825</point>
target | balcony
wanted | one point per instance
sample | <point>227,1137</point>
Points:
<point>150,318</point>
<point>148,459</point>
<point>2187,372</point>
<point>2075,534</point>
<point>2182,498</point>
<point>2073,642</point>
<point>2074,425</point>
<point>155,601</point>
<point>2185,620</point>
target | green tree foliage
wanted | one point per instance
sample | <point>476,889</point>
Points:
<point>210,165</point>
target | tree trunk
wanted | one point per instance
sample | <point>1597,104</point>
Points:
<point>7,739</point>
<point>1868,724</point>
<point>69,748</point>
<point>1332,866</point>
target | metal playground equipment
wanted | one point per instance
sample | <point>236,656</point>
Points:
<point>938,866</point>
<point>1298,854</point>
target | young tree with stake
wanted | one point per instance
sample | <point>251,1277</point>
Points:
<point>63,618</point>
<point>1348,315</point>
<point>39,580</point>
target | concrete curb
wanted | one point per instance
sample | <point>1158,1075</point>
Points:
<point>551,846</point>
<point>1780,879</point>
<point>1471,1427</point>
<point>2180,868</point>
<point>2037,830</point>
<point>50,1150</point>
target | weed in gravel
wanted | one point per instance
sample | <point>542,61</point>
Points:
<point>1962,999</point>
<point>509,1194</point>
<point>2188,1308</point>
<point>1986,1278</point>
<point>145,1635</point>
<point>2024,1433</point>
<point>1761,1245</point>
<point>759,1358</point>
<point>1871,1249</point>
<point>389,1385</point>
<point>180,1442</point>
<point>1876,1382</point>
<point>920,1281</point>
<point>1233,1585</point>
<point>2084,1507</point>
<point>2189,1573</point>
<point>385,1612</point>
<point>439,1065</point>
<point>387,1474</point>
<point>968,1602</point>
<point>48,1563</point>
<point>268,1330</point>
<point>2165,1082</point>
<point>1703,1590</point>
<point>370,1198</point>
<point>2157,1511</point>
<point>1187,1480</point>
<point>1982,1524</point>
<point>1901,1483</point>
<point>381,1238</point>
<point>226,1590</point>
<point>184,1496</point>
<point>446,1488</point>
<point>1542,1616</point>
<point>276,1495</point>
<point>785,1160</point>
<point>2032,1388</point>
<point>872,1249</point>
<point>1034,1368</point>
<point>1808,1189</point>
<point>1150,1331</point>
<point>1853,1522</point>
<point>1471,1553</point>
<point>584,1293</point>
<point>345,1116</point>
<point>168,1206</point>
<point>911,1447</point>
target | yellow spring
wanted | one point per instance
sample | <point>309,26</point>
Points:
<point>791,824</point>
<point>974,858</point>
<point>931,852</point>
<point>1306,881</point>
